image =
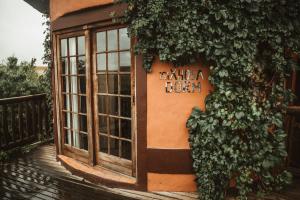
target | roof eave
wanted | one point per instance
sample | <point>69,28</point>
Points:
<point>40,5</point>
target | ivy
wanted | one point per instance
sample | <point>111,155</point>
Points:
<point>248,43</point>
<point>47,60</point>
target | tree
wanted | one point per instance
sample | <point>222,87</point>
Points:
<point>18,79</point>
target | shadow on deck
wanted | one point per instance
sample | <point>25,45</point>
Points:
<point>38,176</point>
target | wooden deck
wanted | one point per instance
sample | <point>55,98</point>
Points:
<point>38,176</point>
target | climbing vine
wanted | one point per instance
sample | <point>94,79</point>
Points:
<point>249,45</point>
<point>47,60</point>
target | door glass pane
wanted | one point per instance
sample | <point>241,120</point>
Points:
<point>75,121</point>
<point>113,105</point>
<point>102,83</point>
<point>125,61</point>
<point>81,65</point>
<point>112,40</point>
<point>102,104</point>
<point>74,99</point>
<point>82,85</point>
<point>113,83</point>
<point>124,39</point>
<point>83,141</point>
<point>126,128</point>
<point>74,84</point>
<point>76,139</point>
<point>82,104</point>
<point>64,66</point>
<point>103,124</point>
<point>114,147</point>
<point>67,136</point>
<point>112,62</point>
<point>81,45</point>
<point>126,150</point>
<point>72,46</point>
<point>65,119</point>
<point>63,48</point>
<point>101,62</point>
<point>103,140</point>
<point>69,120</point>
<point>125,84</point>
<point>83,123</point>
<point>114,126</point>
<point>65,84</point>
<point>101,42</point>
<point>65,101</point>
<point>73,67</point>
<point>125,106</point>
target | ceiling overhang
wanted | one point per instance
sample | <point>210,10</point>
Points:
<point>40,5</point>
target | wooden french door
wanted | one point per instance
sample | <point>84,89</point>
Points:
<point>113,80</point>
<point>97,101</point>
<point>75,113</point>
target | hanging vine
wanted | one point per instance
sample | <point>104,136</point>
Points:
<point>240,135</point>
<point>47,60</point>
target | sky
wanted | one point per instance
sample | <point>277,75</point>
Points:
<point>21,31</point>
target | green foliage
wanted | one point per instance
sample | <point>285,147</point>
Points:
<point>3,156</point>
<point>18,79</point>
<point>47,60</point>
<point>248,45</point>
<point>46,79</point>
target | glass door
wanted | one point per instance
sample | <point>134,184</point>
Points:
<point>72,68</point>
<point>114,100</point>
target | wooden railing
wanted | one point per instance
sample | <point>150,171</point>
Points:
<point>293,142</point>
<point>23,120</point>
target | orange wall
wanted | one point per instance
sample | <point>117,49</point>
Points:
<point>172,182</point>
<point>59,8</point>
<point>167,113</point>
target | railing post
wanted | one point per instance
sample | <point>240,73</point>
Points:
<point>5,125</point>
<point>34,122</point>
<point>20,120</point>
<point>46,113</point>
<point>14,136</point>
<point>40,120</point>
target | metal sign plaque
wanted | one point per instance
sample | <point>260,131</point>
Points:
<point>179,80</point>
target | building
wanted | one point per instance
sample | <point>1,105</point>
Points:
<point>114,123</point>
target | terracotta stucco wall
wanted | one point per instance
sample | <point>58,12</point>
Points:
<point>59,8</point>
<point>167,114</point>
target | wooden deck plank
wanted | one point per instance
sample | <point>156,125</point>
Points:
<point>35,186</point>
<point>147,194</point>
<point>173,195</point>
<point>192,195</point>
<point>28,189</point>
<point>38,176</point>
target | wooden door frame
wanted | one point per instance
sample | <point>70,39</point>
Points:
<point>92,18</point>
<point>91,85</point>
<point>76,153</point>
<point>117,164</point>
